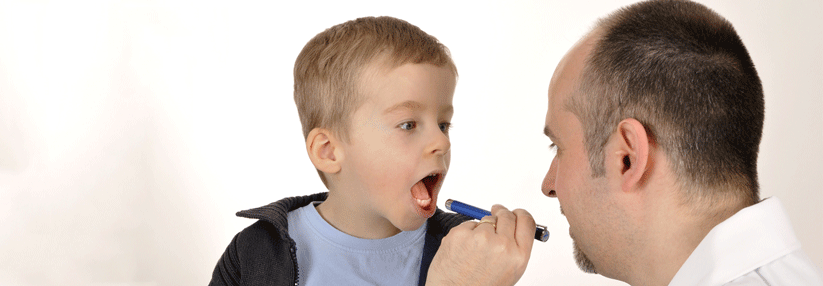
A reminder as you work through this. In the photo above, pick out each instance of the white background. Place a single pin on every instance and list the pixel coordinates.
(132, 131)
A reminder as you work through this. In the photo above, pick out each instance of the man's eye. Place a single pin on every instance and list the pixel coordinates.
(408, 125)
(445, 127)
(553, 148)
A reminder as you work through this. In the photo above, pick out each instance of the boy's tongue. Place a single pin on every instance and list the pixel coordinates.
(421, 194)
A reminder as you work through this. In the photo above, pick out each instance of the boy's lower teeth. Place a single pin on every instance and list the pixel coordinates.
(423, 203)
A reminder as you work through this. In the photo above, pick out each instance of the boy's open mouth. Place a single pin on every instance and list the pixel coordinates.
(425, 193)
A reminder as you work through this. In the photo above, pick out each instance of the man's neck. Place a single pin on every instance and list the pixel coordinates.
(672, 231)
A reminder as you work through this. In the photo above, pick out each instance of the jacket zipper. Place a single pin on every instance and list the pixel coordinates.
(293, 250)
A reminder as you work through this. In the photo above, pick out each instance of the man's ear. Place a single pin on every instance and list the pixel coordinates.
(324, 150)
(630, 156)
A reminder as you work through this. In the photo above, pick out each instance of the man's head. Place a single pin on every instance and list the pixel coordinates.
(328, 72)
(658, 78)
(681, 70)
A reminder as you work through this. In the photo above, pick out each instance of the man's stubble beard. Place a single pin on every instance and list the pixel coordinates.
(583, 262)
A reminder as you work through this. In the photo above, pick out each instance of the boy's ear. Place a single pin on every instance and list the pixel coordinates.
(324, 150)
(630, 156)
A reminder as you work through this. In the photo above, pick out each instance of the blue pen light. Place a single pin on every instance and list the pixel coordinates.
(541, 233)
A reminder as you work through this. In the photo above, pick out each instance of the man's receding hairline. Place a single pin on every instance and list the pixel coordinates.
(590, 42)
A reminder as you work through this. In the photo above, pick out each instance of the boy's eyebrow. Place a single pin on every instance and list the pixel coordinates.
(414, 105)
(448, 109)
(408, 104)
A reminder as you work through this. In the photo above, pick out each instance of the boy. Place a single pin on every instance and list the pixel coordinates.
(374, 97)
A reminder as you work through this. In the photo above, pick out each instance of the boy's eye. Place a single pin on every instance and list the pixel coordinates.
(553, 148)
(408, 125)
(445, 127)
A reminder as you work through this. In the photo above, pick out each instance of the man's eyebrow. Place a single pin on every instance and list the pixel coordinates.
(408, 104)
(548, 132)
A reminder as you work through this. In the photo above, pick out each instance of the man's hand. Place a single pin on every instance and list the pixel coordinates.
(485, 253)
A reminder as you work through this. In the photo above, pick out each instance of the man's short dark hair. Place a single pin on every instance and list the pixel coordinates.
(682, 71)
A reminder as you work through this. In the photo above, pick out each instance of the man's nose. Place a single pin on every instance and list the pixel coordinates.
(548, 181)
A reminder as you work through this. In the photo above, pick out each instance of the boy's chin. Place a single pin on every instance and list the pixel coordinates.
(410, 224)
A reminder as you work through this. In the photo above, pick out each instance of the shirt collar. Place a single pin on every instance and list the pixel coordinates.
(747, 240)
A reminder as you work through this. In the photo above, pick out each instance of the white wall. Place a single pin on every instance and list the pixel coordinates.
(131, 131)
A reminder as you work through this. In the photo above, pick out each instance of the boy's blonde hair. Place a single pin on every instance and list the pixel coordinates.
(327, 73)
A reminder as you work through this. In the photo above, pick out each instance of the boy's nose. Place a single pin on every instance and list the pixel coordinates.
(440, 145)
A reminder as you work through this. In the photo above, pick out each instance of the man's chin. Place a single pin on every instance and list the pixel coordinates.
(583, 262)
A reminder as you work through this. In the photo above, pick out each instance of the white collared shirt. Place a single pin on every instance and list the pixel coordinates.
(755, 246)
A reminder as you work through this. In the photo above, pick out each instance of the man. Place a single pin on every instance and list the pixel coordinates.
(657, 116)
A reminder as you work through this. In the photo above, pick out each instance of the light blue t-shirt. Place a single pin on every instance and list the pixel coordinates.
(327, 256)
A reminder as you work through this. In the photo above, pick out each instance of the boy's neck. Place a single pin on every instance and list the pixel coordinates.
(354, 220)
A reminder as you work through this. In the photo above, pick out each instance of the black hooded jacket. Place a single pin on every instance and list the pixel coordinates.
(265, 254)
